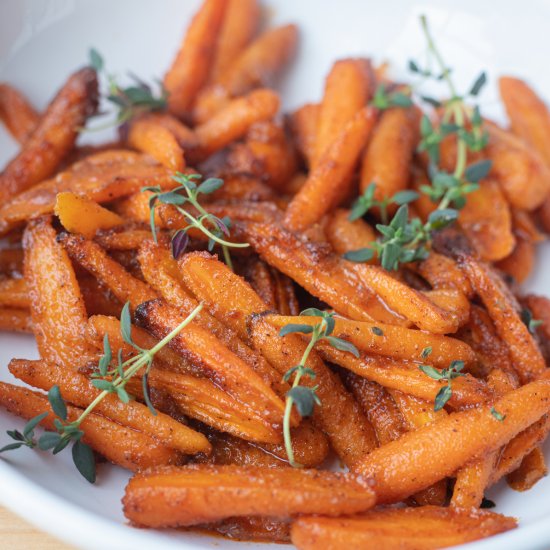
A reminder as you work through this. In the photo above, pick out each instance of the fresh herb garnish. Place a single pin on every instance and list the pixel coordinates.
(384, 99)
(367, 201)
(445, 375)
(529, 321)
(499, 416)
(188, 193)
(426, 352)
(408, 240)
(130, 101)
(305, 398)
(487, 504)
(109, 381)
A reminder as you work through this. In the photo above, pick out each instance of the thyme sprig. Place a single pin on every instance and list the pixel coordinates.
(304, 398)
(188, 193)
(408, 240)
(131, 101)
(445, 375)
(109, 381)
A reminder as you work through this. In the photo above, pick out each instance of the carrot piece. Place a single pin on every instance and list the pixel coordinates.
(322, 274)
(266, 154)
(120, 445)
(54, 136)
(504, 311)
(213, 493)
(253, 528)
(81, 215)
(211, 281)
(424, 528)
(78, 390)
(162, 272)
(102, 178)
(399, 467)
(109, 272)
(57, 308)
(519, 447)
(239, 26)
(420, 308)
(260, 63)
(152, 138)
(17, 114)
(345, 235)
(487, 221)
(520, 170)
(442, 272)
(378, 405)
(14, 293)
(216, 360)
(390, 341)
(234, 120)
(125, 239)
(480, 334)
(528, 114)
(388, 156)
(304, 123)
(330, 179)
(348, 87)
(191, 67)
(11, 262)
(340, 417)
(531, 470)
(407, 377)
(15, 320)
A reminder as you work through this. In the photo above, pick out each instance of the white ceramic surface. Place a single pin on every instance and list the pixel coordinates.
(41, 41)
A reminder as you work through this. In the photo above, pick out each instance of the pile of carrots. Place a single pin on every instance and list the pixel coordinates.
(77, 245)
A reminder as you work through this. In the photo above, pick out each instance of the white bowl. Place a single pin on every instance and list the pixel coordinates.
(42, 41)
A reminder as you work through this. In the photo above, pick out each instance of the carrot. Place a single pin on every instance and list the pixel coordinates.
(487, 221)
(388, 156)
(531, 470)
(390, 341)
(520, 170)
(504, 311)
(528, 114)
(303, 123)
(348, 87)
(329, 181)
(162, 273)
(57, 308)
(322, 274)
(126, 447)
(101, 178)
(424, 528)
(14, 293)
(399, 467)
(78, 390)
(17, 114)
(78, 214)
(234, 120)
(213, 493)
(109, 272)
(261, 61)
(406, 377)
(154, 139)
(191, 67)
(215, 360)
(339, 416)
(15, 320)
(54, 137)
(239, 26)
(378, 405)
